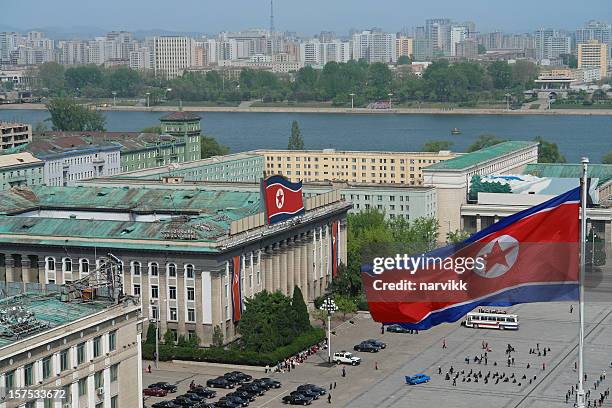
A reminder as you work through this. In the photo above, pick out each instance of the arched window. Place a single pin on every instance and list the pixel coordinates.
(50, 263)
(136, 268)
(189, 271)
(67, 265)
(84, 266)
(153, 269)
(171, 270)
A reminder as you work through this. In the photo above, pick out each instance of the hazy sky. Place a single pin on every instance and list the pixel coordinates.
(303, 16)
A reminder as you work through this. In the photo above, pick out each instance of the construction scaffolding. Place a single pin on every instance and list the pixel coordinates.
(105, 281)
(17, 322)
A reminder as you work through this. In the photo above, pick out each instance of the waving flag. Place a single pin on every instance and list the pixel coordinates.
(531, 256)
(283, 199)
(236, 288)
(335, 235)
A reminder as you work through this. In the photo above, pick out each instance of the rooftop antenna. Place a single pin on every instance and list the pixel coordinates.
(271, 16)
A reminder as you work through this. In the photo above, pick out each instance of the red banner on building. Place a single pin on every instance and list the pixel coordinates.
(236, 288)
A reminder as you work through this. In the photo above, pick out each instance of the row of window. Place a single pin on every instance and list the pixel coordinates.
(354, 160)
(136, 267)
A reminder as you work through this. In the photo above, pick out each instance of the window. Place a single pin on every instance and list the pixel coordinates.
(189, 271)
(98, 379)
(9, 380)
(154, 292)
(173, 314)
(191, 315)
(51, 264)
(115, 401)
(80, 353)
(172, 270)
(191, 334)
(67, 265)
(82, 387)
(174, 334)
(97, 346)
(190, 294)
(114, 372)
(64, 360)
(136, 289)
(46, 367)
(172, 292)
(84, 266)
(112, 340)
(153, 269)
(136, 268)
(28, 374)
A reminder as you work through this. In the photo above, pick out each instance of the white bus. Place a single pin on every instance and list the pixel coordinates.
(491, 319)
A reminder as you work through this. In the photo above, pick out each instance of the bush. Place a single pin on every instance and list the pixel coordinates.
(234, 356)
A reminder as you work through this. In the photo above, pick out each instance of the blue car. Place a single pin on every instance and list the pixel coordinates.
(417, 379)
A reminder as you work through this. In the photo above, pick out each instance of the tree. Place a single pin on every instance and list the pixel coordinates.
(485, 140)
(169, 337)
(436, 145)
(296, 142)
(607, 158)
(345, 305)
(84, 76)
(403, 60)
(548, 152)
(7, 86)
(51, 77)
(457, 236)
(319, 315)
(210, 147)
(481, 49)
(151, 331)
(347, 282)
(217, 337)
(67, 115)
(501, 73)
(40, 127)
(300, 310)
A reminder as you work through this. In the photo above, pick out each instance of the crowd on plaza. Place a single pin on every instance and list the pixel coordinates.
(291, 362)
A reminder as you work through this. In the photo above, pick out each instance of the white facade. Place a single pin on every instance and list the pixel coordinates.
(141, 59)
(374, 46)
(172, 55)
(67, 170)
(314, 52)
(457, 34)
(549, 44)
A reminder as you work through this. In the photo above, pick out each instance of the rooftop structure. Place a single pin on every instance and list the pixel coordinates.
(20, 169)
(480, 157)
(14, 135)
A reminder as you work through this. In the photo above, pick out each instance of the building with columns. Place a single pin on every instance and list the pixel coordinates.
(175, 244)
(88, 351)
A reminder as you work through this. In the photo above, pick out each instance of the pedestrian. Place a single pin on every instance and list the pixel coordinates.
(192, 385)
(149, 369)
(330, 386)
(543, 366)
(382, 329)
(376, 365)
(443, 343)
(334, 385)
(329, 398)
(512, 360)
(439, 370)
(571, 308)
(343, 372)
(455, 382)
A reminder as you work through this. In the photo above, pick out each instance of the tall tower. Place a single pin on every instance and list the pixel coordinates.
(271, 16)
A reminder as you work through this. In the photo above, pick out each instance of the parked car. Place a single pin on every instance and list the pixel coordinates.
(270, 381)
(417, 379)
(241, 375)
(164, 386)
(252, 388)
(165, 404)
(234, 378)
(236, 400)
(155, 392)
(203, 392)
(366, 347)
(193, 396)
(219, 382)
(244, 395)
(397, 329)
(226, 404)
(297, 399)
(376, 343)
(312, 387)
(307, 393)
(184, 402)
(344, 357)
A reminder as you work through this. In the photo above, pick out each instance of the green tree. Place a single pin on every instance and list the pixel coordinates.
(152, 129)
(169, 337)
(67, 115)
(485, 140)
(481, 49)
(296, 142)
(84, 76)
(454, 237)
(524, 73)
(151, 330)
(7, 86)
(548, 152)
(345, 305)
(51, 78)
(300, 310)
(319, 315)
(211, 147)
(436, 145)
(607, 158)
(217, 337)
(40, 127)
(501, 74)
(403, 60)
(347, 282)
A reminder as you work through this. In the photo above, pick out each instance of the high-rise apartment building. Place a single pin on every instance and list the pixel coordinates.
(550, 44)
(594, 30)
(404, 47)
(374, 46)
(457, 34)
(467, 49)
(437, 31)
(314, 52)
(593, 54)
(172, 55)
(8, 42)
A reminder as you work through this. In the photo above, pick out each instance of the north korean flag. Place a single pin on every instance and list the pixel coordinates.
(334, 248)
(283, 199)
(236, 288)
(531, 256)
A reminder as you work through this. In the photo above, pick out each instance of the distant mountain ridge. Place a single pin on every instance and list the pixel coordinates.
(86, 32)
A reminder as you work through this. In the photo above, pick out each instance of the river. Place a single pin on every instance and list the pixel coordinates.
(576, 136)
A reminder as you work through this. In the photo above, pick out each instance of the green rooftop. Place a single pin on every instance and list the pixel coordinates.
(563, 170)
(468, 160)
(47, 309)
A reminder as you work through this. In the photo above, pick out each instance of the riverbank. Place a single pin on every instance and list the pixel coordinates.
(289, 109)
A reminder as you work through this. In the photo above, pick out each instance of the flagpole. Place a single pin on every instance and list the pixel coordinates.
(580, 400)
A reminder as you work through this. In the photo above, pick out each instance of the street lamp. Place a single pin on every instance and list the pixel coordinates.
(148, 93)
(330, 306)
(352, 100)
(155, 320)
(114, 98)
(390, 94)
(508, 95)
(593, 249)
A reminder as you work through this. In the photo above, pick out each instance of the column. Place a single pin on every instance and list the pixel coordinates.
(91, 391)
(266, 270)
(283, 268)
(297, 264)
(478, 223)
(275, 268)
(74, 394)
(26, 274)
(608, 234)
(290, 259)
(107, 387)
(304, 266)
(10, 268)
(139, 376)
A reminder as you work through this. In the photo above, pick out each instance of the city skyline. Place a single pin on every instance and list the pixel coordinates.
(307, 19)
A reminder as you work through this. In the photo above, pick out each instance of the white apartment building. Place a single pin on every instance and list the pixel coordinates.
(172, 55)
(314, 52)
(141, 58)
(374, 46)
(549, 44)
(457, 34)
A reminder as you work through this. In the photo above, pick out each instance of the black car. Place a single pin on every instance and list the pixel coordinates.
(193, 396)
(203, 392)
(376, 343)
(397, 329)
(236, 400)
(244, 377)
(164, 386)
(297, 399)
(226, 404)
(270, 381)
(233, 378)
(307, 393)
(219, 382)
(367, 347)
(184, 402)
(252, 388)
(244, 395)
(165, 404)
(261, 384)
(312, 387)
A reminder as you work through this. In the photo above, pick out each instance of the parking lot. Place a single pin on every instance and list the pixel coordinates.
(546, 325)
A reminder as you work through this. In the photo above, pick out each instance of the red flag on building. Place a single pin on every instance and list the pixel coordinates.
(335, 234)
(283, 199)
(236, 288)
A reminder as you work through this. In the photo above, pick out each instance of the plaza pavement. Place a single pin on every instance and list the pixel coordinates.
(549, 324)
